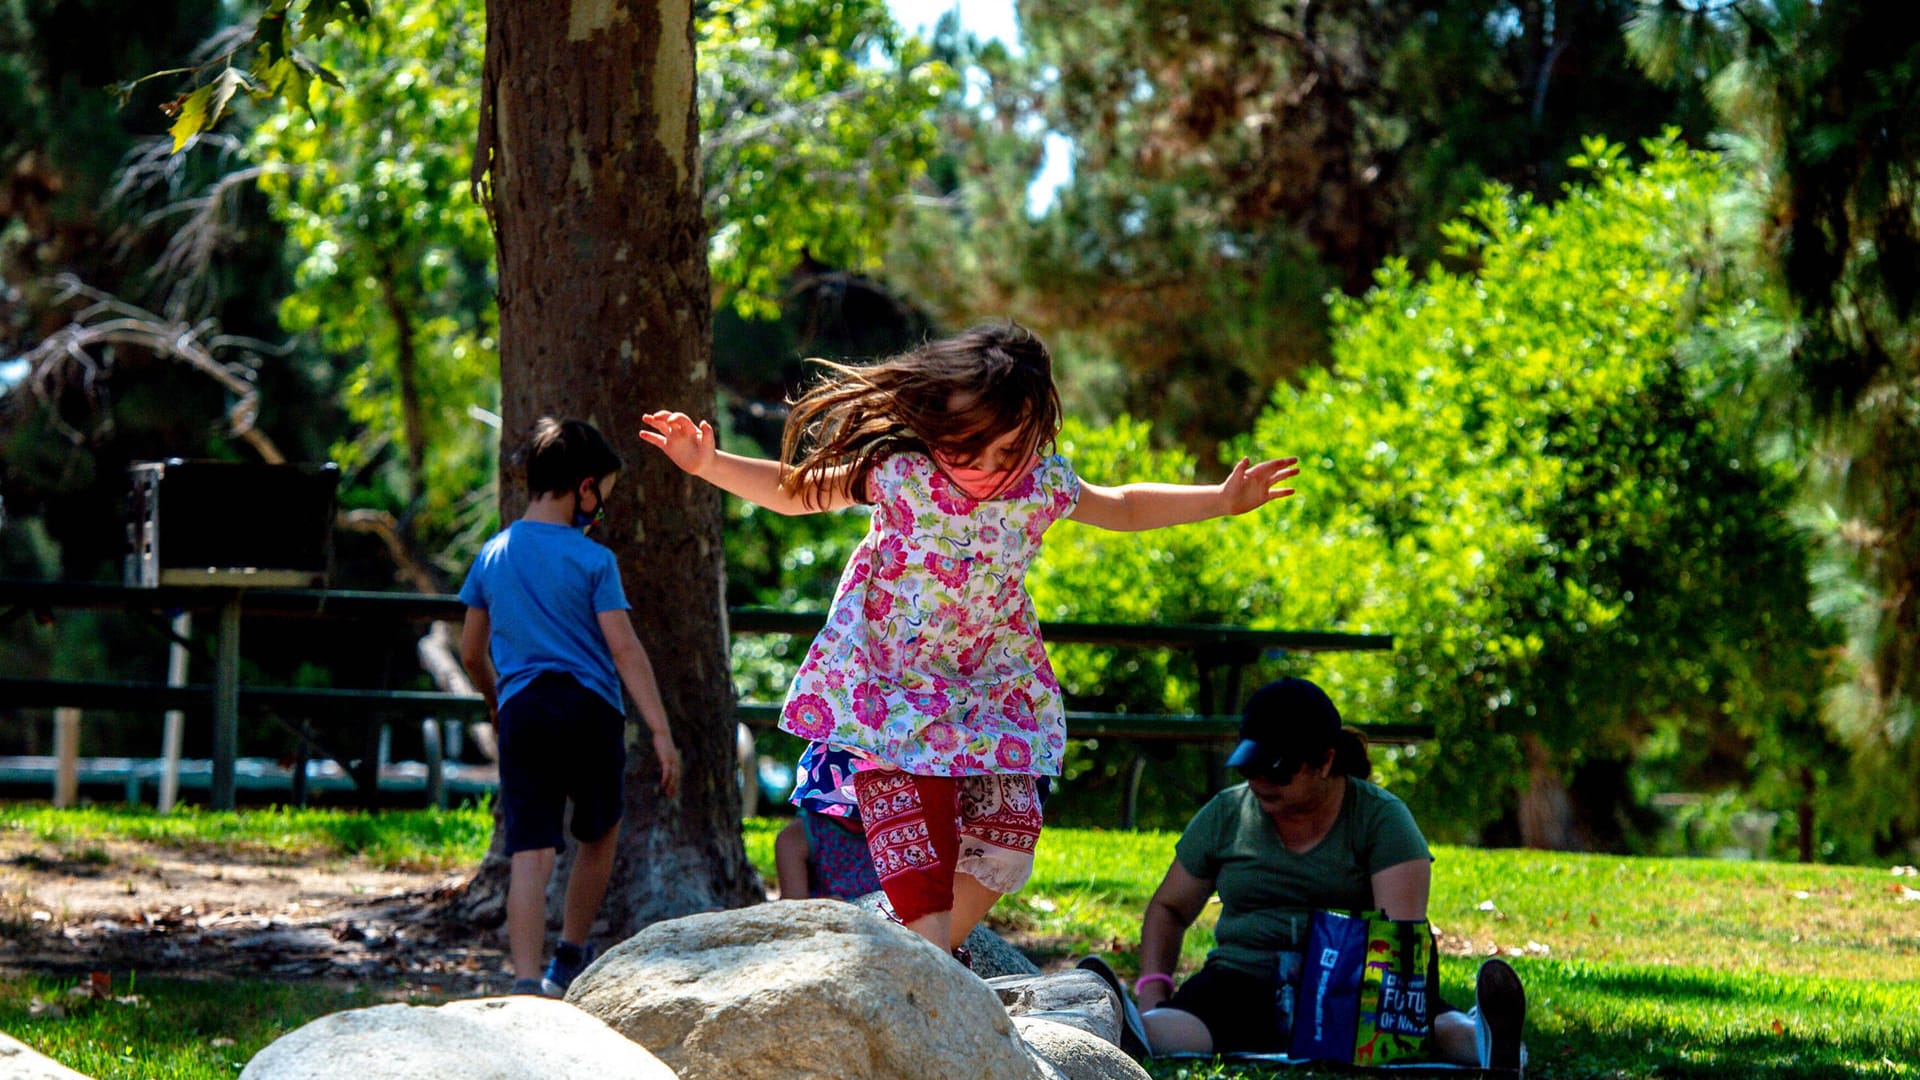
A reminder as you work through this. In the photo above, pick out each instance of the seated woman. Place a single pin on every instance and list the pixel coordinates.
(823, 850)
(1305, 831)
(823, 855)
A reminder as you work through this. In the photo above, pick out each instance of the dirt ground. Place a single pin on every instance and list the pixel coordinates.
(120, 906)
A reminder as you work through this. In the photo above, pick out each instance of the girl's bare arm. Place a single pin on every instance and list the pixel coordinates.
(692, 446)
(1133, 507)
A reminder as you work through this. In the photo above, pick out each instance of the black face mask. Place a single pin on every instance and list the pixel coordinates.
(583, 520)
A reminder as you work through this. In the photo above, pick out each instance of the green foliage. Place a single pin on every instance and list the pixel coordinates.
(395, 262)
(1231, 162)
(815, 119)
(272, 65)
(1508, 469)
(1811, 91)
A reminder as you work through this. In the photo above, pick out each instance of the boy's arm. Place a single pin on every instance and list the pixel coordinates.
(630, 660)
(1133, 507)
(693, 447)
(474, 635)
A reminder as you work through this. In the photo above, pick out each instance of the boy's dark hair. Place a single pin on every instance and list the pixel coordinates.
(561, 453)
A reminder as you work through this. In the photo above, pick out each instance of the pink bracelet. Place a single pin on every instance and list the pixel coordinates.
(1153, 977)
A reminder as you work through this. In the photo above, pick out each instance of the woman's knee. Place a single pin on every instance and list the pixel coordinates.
(1175, 1031)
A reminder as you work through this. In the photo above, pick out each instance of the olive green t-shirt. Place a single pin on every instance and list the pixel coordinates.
(1267, 892)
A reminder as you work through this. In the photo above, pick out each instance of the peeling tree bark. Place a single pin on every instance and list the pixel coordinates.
(587, 163)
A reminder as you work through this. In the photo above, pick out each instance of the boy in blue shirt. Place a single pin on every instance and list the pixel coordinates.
(548, 642)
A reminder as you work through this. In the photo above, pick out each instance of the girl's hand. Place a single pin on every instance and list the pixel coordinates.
(1250, 486)
(691, 446)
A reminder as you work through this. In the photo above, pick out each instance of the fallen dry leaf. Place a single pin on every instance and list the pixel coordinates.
(222, 1041)
(1778, 1027)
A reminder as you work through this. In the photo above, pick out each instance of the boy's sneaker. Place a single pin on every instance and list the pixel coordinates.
(1133, 1029)
(567, 964)
(1500, 1018)
(528, 987)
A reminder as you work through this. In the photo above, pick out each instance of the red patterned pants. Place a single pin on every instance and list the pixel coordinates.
(921, 830)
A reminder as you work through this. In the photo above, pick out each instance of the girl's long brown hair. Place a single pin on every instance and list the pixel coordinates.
(956, 395)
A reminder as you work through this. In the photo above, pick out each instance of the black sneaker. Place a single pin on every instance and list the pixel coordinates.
(1500, 1014)
(528, 987)
(964, 955)
(561, 974)
(1133, 1029)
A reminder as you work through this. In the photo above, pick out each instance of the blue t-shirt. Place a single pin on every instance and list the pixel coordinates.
(543, 587)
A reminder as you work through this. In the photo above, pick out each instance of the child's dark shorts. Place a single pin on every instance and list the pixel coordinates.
(1238, 1008)
(559, 741)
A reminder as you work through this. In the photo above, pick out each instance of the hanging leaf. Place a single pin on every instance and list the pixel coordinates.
(315, 70)
(190, 116)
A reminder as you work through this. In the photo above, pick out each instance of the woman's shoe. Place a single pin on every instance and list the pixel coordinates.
(1133, 1029)
(1500, 1018)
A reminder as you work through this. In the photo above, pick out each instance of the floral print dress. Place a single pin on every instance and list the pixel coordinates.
(931, 660)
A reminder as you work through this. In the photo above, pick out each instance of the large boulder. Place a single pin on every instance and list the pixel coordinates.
(804, 988)
(18, 1061)
(512, 1038)
(1075, 998)
(992, 956)
(1075, 1054)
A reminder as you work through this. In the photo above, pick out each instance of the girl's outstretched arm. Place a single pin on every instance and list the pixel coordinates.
(693, 447)
(1132, 507)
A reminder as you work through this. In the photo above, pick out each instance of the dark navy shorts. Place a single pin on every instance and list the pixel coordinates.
(559, 741)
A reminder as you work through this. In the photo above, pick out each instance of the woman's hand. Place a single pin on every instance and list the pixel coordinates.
(688, 444)
(1251, 486)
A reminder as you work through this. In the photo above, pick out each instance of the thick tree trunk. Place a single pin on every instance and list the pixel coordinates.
(1546, 812)
(588, 139)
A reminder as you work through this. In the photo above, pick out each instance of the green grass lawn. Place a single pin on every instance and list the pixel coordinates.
(1634, 967)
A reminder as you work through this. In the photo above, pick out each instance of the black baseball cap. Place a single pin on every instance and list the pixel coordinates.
(1288, 720)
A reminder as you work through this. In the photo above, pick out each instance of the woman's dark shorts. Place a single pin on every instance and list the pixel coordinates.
(559, 741)
(1238, 1008)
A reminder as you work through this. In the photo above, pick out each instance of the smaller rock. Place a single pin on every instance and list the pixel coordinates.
(510, 1038)
(18, 1061)
(1075, 998)
(1075, 1054)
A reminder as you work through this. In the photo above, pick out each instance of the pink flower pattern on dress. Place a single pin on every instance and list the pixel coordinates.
(948, 570)
(1013, 755)
(809, 717)
(869, 706)
(890, 559)
(933, 663)
(950, 499)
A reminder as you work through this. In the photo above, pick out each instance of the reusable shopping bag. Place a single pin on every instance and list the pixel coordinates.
(1363, 990)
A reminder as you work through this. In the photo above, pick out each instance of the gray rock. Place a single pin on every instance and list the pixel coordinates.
(992, 956)
(1075, 998)
(1074, 1053)
(18, 1061)
(804, 988)
(510, 1038)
